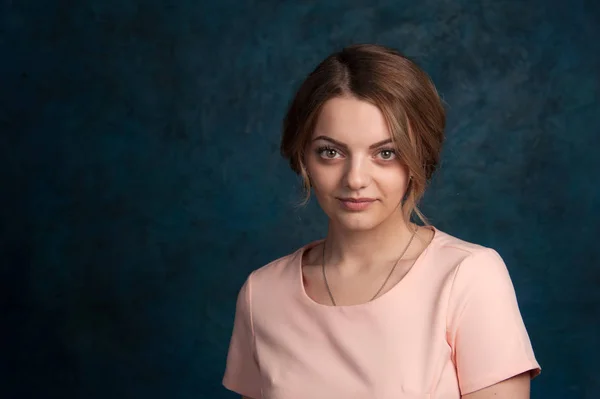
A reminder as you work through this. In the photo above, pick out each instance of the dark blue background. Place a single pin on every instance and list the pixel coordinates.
(141, 179)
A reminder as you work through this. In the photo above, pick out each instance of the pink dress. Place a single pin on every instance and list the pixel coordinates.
(451, 326)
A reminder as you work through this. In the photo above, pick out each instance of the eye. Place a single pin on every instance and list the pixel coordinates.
(328, 152)
(387, 154)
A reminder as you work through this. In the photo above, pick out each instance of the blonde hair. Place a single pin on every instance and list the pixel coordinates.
(402, 91)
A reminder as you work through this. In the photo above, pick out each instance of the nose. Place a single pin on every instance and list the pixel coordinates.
(357, 174)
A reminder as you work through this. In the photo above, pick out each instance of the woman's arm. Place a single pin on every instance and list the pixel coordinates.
(516, 387)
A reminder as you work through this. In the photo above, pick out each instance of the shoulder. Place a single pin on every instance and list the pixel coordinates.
(449, 243)
(276, 271)
(459, 252)
(463, 264)
(474, 270)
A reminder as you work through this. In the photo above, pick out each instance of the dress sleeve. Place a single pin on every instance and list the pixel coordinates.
(242, 374)
(485, 329)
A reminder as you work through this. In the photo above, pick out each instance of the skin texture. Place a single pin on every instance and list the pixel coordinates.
(357, 167)
(350, 156)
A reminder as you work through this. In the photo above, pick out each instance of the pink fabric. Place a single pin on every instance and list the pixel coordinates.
(451, 326)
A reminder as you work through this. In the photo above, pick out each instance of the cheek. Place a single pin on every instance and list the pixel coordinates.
(394, 182)
(324, 178)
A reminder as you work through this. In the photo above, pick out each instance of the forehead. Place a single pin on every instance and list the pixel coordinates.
(352, 121)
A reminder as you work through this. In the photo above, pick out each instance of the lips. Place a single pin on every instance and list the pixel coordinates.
(358, 199)
(356, 204)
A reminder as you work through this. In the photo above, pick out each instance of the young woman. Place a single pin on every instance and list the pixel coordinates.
(382, 307)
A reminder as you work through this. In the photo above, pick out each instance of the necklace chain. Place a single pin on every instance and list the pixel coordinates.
(382, 285)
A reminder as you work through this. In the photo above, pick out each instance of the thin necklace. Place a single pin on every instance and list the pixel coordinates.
(382, 285)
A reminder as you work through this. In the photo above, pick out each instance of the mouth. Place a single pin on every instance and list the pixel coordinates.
(356, 204)
(358, 200)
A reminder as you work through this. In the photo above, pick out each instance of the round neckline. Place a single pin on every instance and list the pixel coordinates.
(381, 298)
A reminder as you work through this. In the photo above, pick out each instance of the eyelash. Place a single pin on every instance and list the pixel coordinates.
(322, 149)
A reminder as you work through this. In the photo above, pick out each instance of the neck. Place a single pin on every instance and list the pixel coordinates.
(357, 251)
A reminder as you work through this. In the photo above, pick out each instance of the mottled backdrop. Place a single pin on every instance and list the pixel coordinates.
(141, 180)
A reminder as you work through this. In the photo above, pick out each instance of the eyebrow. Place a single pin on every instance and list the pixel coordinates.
(342, 145)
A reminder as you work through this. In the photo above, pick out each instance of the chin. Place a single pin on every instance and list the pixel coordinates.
(360, 221)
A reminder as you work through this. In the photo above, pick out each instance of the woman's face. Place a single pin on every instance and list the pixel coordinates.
(355, 172)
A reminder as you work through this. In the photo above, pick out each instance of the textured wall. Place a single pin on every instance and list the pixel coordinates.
(141, 179)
